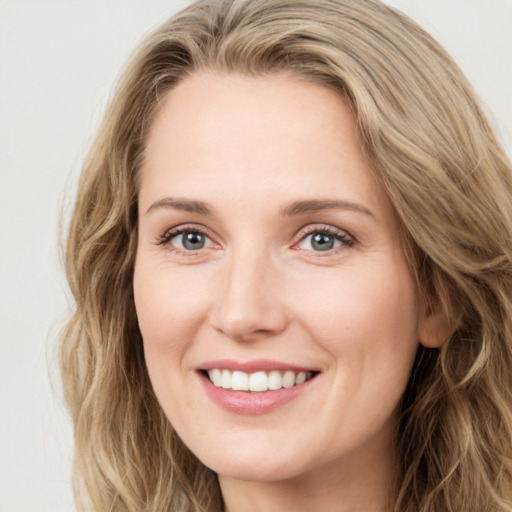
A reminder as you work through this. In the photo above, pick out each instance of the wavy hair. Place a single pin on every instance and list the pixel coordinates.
(451, 186)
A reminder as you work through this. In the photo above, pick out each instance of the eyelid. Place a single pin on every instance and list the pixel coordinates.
(180, 228)
(169, 234)
(346, 238)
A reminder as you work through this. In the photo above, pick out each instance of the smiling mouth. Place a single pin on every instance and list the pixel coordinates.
(259, 381)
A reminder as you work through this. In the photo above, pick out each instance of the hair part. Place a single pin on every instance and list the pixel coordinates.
(450, 183)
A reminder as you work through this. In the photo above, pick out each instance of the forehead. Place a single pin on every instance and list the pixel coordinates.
(269, 137)
(240, 110)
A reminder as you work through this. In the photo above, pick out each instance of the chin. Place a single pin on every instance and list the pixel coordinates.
(264, 471)
(256, 462)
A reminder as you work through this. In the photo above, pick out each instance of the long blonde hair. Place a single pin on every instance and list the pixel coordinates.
(451, 186)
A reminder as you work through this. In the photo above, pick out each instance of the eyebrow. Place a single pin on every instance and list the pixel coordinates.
(292, 209)
(317, 205)
(186, 205)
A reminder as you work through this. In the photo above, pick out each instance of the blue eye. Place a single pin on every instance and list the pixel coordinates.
(323, 240)
(190, 240)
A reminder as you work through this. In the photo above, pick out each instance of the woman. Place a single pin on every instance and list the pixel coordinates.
(292, 266)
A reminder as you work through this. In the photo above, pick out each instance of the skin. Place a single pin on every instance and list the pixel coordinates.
(259, 289)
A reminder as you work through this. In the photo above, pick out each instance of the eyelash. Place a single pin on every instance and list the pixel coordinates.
(345, 239)
(166, 238)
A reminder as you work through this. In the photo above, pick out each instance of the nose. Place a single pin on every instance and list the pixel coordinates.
(249, 304)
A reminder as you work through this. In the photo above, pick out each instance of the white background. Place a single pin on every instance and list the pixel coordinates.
(58, 61)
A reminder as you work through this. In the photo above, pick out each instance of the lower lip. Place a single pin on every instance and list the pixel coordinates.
(252, 403)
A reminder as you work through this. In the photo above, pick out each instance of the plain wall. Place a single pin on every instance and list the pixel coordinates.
(58, 61)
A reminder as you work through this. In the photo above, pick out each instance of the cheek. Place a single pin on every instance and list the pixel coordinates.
(169, 304)
(367, 305)
(366, 320)
(169, 315)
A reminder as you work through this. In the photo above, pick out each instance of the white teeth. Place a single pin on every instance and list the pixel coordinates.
(239, 381)
(288, 379)
(216, 377)
(226, 379)
(301, 377)
(275, 381)
(258, 381)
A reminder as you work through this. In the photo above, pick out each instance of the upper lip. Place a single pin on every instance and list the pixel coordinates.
(255, 365)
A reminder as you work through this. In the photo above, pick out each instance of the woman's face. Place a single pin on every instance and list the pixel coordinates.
(269, 254)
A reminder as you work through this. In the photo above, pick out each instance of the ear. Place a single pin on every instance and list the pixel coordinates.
(435, 328)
